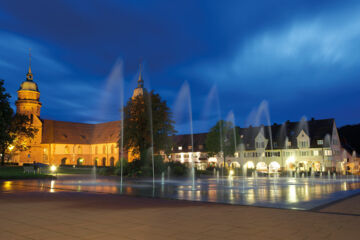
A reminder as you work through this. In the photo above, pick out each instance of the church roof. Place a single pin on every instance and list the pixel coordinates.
(29, 85)
(79, 133)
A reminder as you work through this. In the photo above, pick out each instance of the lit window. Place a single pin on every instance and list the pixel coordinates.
(201, 147)
(316, 153)
(180, 148)
(189, 147)
(303, 144)
(328, 152)
(320, 142)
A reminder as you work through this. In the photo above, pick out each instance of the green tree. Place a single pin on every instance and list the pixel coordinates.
(222, 140)
(142, 112)
(14, 128)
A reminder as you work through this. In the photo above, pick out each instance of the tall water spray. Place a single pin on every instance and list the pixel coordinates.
(152, 139)
(212, 97)
(115, 82)
(231, 118)
(185, 95)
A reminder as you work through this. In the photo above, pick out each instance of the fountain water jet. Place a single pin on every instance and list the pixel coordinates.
(214, 96)
(162, 178)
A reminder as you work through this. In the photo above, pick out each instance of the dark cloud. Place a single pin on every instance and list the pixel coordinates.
(302, 57)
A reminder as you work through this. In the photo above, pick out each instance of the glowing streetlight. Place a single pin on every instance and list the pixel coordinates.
(53, 168)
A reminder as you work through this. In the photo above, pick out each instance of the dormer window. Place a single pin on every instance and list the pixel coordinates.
(260, 144)
(303, 144)
(180, 148)
(320, 142)
(189, 147)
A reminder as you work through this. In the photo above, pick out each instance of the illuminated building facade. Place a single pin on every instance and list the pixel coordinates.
(293, 146)
(64, 143)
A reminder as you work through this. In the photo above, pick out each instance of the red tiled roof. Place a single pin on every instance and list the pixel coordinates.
(79, 133)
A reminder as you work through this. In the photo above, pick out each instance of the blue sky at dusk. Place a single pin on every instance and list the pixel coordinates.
(291, 58)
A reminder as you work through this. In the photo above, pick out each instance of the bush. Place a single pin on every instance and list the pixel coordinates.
(178, 169)
(106, 171)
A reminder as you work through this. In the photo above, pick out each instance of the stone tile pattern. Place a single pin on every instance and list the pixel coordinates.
(72, 215)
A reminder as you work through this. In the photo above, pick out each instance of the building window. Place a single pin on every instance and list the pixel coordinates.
(327, 152)
(112, 149)
(67, 149)
(104, 149)
(178, 156)
(201, 147)
(260, 144)
(303, 144)
(320, 142)
(303, 153)
(189, 147)
(79, 150)
(180, 148)
(96, 149)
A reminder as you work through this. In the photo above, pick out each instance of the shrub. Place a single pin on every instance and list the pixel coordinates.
(106, 171)
(178, 169)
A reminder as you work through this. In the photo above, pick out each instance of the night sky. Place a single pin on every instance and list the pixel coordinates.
(292, 59)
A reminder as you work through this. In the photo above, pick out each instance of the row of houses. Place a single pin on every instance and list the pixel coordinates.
(312, 145)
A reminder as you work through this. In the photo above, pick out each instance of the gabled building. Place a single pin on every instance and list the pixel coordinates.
(293, 146)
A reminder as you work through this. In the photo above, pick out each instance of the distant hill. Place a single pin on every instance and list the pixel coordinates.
(350, 137)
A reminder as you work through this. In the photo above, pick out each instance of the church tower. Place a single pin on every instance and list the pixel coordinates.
(140, 87)
(28, 104)
(28, 96)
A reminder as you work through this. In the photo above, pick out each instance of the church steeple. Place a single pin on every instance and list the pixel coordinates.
(140, 80)
(28, 95)
(29, 75)
(140, 87)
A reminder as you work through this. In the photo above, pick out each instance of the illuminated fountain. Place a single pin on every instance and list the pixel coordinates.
(265, 186)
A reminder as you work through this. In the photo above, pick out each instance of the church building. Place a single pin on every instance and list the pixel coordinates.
(67, 143)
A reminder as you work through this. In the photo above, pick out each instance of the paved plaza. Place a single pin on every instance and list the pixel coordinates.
(33, 213)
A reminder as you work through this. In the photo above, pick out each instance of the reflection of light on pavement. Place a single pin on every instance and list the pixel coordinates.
(52, 185)
(307, 195)
(291, 181)
(250, 197)
(231, 196)
(292, 194)
(198, 195)
(212, 195)
(7, 185)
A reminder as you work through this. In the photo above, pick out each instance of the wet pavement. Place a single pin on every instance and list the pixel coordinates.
(288, 193)
(39, 211)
